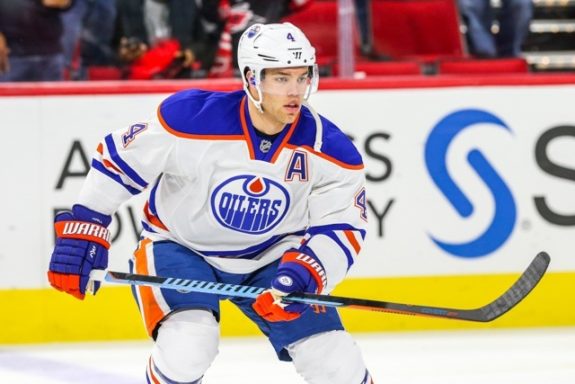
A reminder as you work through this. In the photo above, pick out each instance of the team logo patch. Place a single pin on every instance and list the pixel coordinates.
(286, 280)
(253, 31)
(250, 204)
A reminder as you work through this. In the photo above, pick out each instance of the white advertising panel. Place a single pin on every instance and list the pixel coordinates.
(460, 180)
(463, 180)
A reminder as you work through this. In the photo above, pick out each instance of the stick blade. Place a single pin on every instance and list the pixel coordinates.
(509, 299)
(518, 291)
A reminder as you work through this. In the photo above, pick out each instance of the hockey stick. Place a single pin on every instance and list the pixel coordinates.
(517, 292)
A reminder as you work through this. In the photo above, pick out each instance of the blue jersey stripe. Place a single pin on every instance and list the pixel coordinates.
(335, 227)
(250, 252)
(345, 250)
(122, 164)
(100, 167)
(152, 199)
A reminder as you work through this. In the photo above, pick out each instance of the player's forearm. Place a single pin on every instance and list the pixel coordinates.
(102, 194)
(336, 248)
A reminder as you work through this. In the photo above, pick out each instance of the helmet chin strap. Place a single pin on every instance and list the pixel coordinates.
(258, 104)
(256, 83)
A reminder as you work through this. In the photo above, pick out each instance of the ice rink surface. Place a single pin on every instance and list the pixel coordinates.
(541, 356)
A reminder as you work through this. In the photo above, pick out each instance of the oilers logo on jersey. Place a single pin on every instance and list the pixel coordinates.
(250, 204)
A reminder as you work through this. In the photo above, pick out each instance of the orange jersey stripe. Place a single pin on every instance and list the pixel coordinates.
(351, 238)
(155, 220)
(245, 129)
(151, 372)
(286, 138)
(108, 164)
(150, 308)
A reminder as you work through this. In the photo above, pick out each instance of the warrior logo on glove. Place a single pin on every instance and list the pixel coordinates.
(82, 242)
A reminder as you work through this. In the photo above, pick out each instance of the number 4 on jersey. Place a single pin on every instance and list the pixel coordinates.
(361, 203)
(131, 133)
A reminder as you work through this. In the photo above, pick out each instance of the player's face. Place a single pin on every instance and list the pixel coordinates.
(283, 91)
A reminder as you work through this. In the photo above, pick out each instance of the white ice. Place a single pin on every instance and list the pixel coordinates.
(533, 356)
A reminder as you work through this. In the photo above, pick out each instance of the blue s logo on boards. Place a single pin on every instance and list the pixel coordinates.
(250, 204)
(505, 211)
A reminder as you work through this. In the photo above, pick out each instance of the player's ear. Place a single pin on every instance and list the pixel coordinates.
(250, 77)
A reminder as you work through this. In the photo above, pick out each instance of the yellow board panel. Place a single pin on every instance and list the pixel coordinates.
(45, 315)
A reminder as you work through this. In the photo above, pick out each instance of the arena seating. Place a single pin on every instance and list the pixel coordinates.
(482, 67)
(104, 73)
(422, 29)
(319, 22)
(414, 37)
(402, 29)
(384, 68)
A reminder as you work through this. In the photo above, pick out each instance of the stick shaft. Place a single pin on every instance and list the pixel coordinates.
(517, 292)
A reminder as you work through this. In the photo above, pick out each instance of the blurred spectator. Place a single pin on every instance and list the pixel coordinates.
(89, 28)
(158, 37)
(367, 49)
(30, 32)
(186, 38)
(4, 64)
(513, 17)
(364, 25)
(132, 29)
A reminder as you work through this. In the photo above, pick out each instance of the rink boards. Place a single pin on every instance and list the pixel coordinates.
(467, 180)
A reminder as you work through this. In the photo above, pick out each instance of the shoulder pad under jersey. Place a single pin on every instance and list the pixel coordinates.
(334, 143)
(196, 113)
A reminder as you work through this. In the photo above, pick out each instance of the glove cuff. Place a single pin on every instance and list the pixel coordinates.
(313, 266)
(84, 224)
(83, 213)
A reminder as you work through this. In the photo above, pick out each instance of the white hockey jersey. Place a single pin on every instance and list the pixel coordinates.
(218, 188)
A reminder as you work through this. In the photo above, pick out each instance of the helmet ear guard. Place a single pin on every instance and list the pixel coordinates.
(314, 76)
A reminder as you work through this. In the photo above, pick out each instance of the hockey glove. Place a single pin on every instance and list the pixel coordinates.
(82, 242)
(297, 272)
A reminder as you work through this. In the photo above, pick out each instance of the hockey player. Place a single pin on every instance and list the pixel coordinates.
(248, 187)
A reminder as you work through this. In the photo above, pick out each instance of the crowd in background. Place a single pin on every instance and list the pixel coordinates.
(513, 21)
(50, 40)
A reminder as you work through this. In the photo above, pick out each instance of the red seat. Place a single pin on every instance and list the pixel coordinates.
(319, 22)
(425, 29)
(385, 68)
(481, 67)
(104, 73)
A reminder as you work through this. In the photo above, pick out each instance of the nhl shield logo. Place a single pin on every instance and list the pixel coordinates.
(250, 204)
(265, 146)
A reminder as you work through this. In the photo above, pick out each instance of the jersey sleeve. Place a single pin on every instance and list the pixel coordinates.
(125, 163)
(338, 223)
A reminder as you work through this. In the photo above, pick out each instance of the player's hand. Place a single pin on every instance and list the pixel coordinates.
(4, 51)
(187, 57)
(82, 242)
(297, 272)
(56, 3)
(131, 49)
